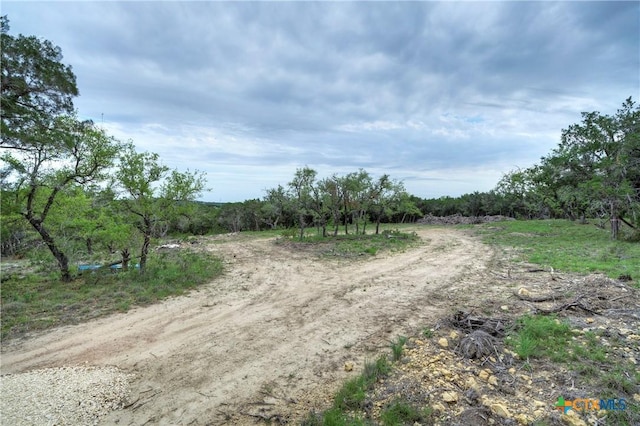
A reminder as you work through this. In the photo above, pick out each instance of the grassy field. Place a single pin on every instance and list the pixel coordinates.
(566, 246)
(35, 301)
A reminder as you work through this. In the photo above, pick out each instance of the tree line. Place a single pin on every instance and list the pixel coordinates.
(330, 205)
(80, 191)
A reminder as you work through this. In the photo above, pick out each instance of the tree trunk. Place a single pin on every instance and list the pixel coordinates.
(126, 257)
(89, 246)
(615, 227)
(302, 225)
(144, 251)
(346, 220)
(61, 258)
(615, 223)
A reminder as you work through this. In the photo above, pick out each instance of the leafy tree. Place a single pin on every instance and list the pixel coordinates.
(381, 195)
(301, 188)
(51, 160)
(600, 157)
(36, 86)
(403, 203)
(45, 147)
(153, 194)
(332, 199)
(275, 206)
(356, 191)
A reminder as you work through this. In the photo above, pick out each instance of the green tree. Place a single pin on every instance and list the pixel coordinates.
(332, 199)
(45, 147)
(601, 158)
(51, 160)
(301, 188)
(153, 194)
(36, 86)
(275, 206)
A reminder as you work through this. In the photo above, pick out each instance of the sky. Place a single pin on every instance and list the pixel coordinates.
(444, 96)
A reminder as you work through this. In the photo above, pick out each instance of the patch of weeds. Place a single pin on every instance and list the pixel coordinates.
(41, 301)
(619, 379)
(401, 412)
(352, 394)
(538, 336)
(427, 332)
(332, 417)
(591, 349)
(397, 347)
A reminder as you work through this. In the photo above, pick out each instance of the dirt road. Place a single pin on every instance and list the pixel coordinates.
(270, 337)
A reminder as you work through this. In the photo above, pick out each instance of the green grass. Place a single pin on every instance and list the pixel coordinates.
(397, 347)
(349, 400)
(566, 246)
(400, 413)
(352, 394)
(608, 375)
(35, 301)
(540, 336)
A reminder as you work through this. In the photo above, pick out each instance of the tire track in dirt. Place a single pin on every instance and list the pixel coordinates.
(271, 335)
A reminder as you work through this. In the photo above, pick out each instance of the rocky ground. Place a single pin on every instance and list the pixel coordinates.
(462, 369)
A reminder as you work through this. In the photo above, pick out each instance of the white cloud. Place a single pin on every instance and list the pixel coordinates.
(448, 95)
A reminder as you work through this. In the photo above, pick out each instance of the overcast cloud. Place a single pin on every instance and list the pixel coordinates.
(446, 96)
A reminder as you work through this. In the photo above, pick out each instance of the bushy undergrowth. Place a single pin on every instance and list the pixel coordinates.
(35, 301)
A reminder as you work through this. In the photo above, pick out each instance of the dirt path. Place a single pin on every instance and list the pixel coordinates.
(272, 335)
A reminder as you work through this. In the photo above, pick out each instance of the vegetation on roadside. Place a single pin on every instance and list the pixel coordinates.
(353, 245)
(351, 397)
(567, 246)
(538, 336)
(37, 301)
(397, 347)
(592, 356)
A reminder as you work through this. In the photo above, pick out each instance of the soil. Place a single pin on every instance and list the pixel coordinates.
(271, 338)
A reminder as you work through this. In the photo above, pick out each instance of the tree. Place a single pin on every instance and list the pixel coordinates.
(301, 188)
(36, 86)
(49, 160)
(381, 194)
(332, 199)
(601, 157)
(45, 147)
(153, 194)
(275, 206)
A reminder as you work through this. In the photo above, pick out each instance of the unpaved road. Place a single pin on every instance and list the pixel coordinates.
(270, 337)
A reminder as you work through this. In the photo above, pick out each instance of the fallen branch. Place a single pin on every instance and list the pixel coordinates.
(576, 303)
(627, 223)
(534, 299)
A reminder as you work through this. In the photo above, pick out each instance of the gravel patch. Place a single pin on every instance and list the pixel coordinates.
(62, 396)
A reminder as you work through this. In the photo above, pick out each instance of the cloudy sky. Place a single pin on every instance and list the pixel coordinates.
(446, 96)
